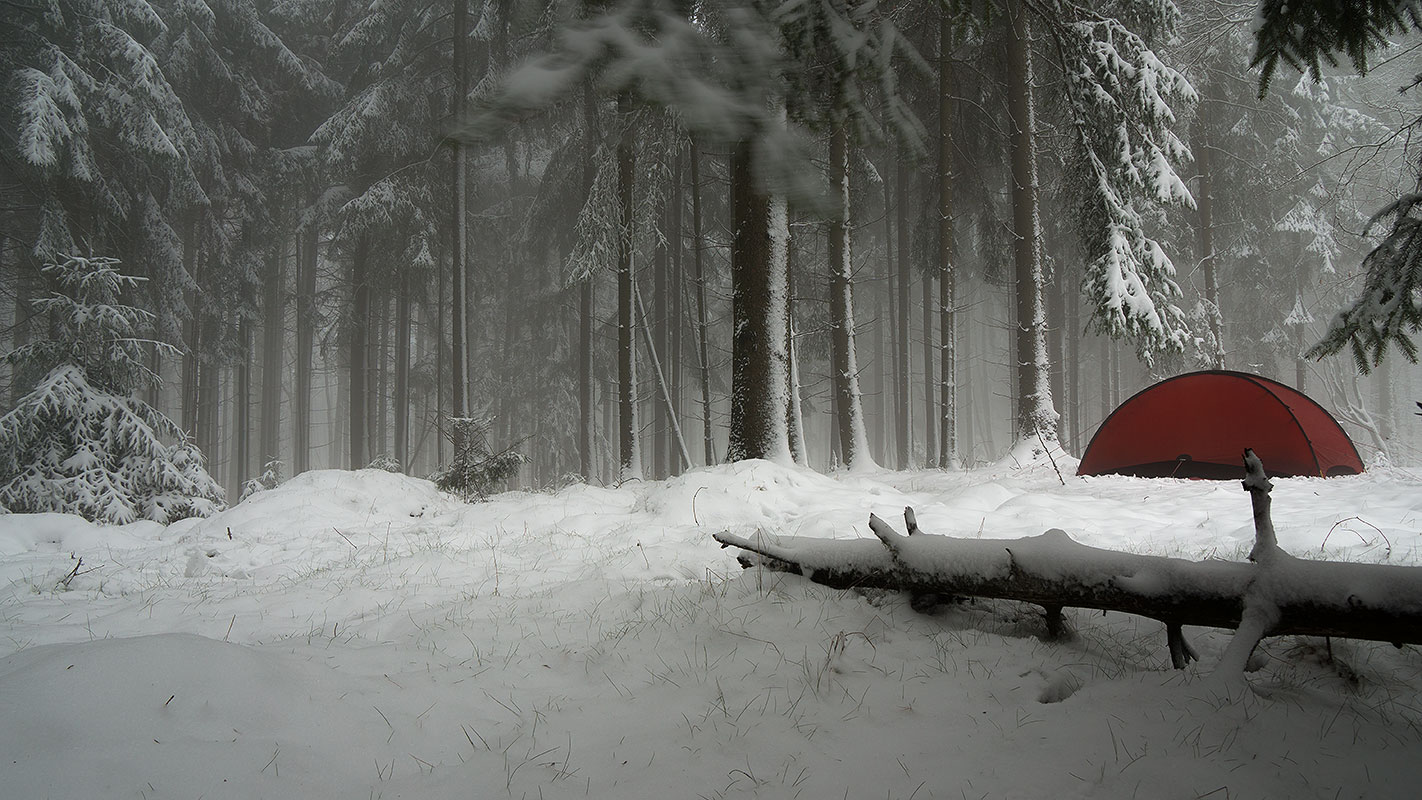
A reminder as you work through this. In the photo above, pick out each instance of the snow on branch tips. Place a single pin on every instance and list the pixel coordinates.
(1275, 595)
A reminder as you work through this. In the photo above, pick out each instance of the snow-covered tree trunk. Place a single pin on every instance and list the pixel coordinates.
(1276, 595)
(1035, 415)
(759, 364)
(853, 441)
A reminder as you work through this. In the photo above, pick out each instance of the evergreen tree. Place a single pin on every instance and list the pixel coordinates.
(80, 442)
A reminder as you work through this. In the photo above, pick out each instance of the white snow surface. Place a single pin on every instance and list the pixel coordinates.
(361, 635)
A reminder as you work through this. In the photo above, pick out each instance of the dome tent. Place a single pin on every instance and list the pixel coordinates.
(1197, 425)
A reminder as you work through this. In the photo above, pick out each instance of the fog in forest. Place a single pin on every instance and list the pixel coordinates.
(931, 233)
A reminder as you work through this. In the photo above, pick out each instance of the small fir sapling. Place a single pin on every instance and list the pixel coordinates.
(475, 470)
(272, 476)
(80, 442)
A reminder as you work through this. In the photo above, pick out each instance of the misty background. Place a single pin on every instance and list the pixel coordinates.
(283, 175)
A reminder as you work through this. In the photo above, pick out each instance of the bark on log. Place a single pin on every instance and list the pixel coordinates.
(1277, 595)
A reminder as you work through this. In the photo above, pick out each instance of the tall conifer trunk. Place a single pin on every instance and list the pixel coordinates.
(459, 251)
(759, 368)
(273, 361)
(358, 359)
(1205, 229)
(629, 453)
(702, 346)
(305, 340)
(844, 368)
(947, 268)
(1035, 416)
(903, 382)
(400, 398)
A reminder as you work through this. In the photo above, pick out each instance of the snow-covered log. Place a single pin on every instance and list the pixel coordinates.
(1274, 596)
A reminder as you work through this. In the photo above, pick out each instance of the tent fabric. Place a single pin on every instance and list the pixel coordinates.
(1197, 425)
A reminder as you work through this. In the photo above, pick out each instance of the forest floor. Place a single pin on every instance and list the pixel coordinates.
(361, 635)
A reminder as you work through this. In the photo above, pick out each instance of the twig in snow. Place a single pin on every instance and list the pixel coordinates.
(1387, 553)
(1048, 451)
(347, 538)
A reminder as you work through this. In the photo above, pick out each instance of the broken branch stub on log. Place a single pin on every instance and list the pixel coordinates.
(1276, 595)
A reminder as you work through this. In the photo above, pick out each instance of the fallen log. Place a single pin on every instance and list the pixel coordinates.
(1273, 595)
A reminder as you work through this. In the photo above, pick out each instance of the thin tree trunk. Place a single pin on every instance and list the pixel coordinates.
(903, 383)
(794, 415)
(702, 346)
(659, 336)
(305, 340)
(1035, 416)
(273, 360)
(844, 371)
(192, 331)
(242, 411)
(358, 357)
(947, 255)
(629, 454)
(459, 252)
(1205, 228)
(401, 397)
(676, 347)
(930, 410)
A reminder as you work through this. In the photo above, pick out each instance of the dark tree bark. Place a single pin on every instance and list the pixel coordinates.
(759, 372)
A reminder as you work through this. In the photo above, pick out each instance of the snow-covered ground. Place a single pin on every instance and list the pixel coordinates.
(360, 635)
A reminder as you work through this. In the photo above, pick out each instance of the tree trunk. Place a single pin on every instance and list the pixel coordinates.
(659, 336)
(947, 246)
(629, 455)
(844, 371)
(273, 355)
(702, 346)
(1035, 416)
(305, 341)
(930, 410)
(358, 355)
(759, 369)
(241, 468)
(1275, 596)
(794, 415)
(1205, 229)
(903, 377)
(459, 252)
(401, 396)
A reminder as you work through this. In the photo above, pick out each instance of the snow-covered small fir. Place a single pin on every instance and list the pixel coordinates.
(79, 441)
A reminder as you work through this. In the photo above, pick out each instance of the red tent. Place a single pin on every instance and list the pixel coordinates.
(1197, 426)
